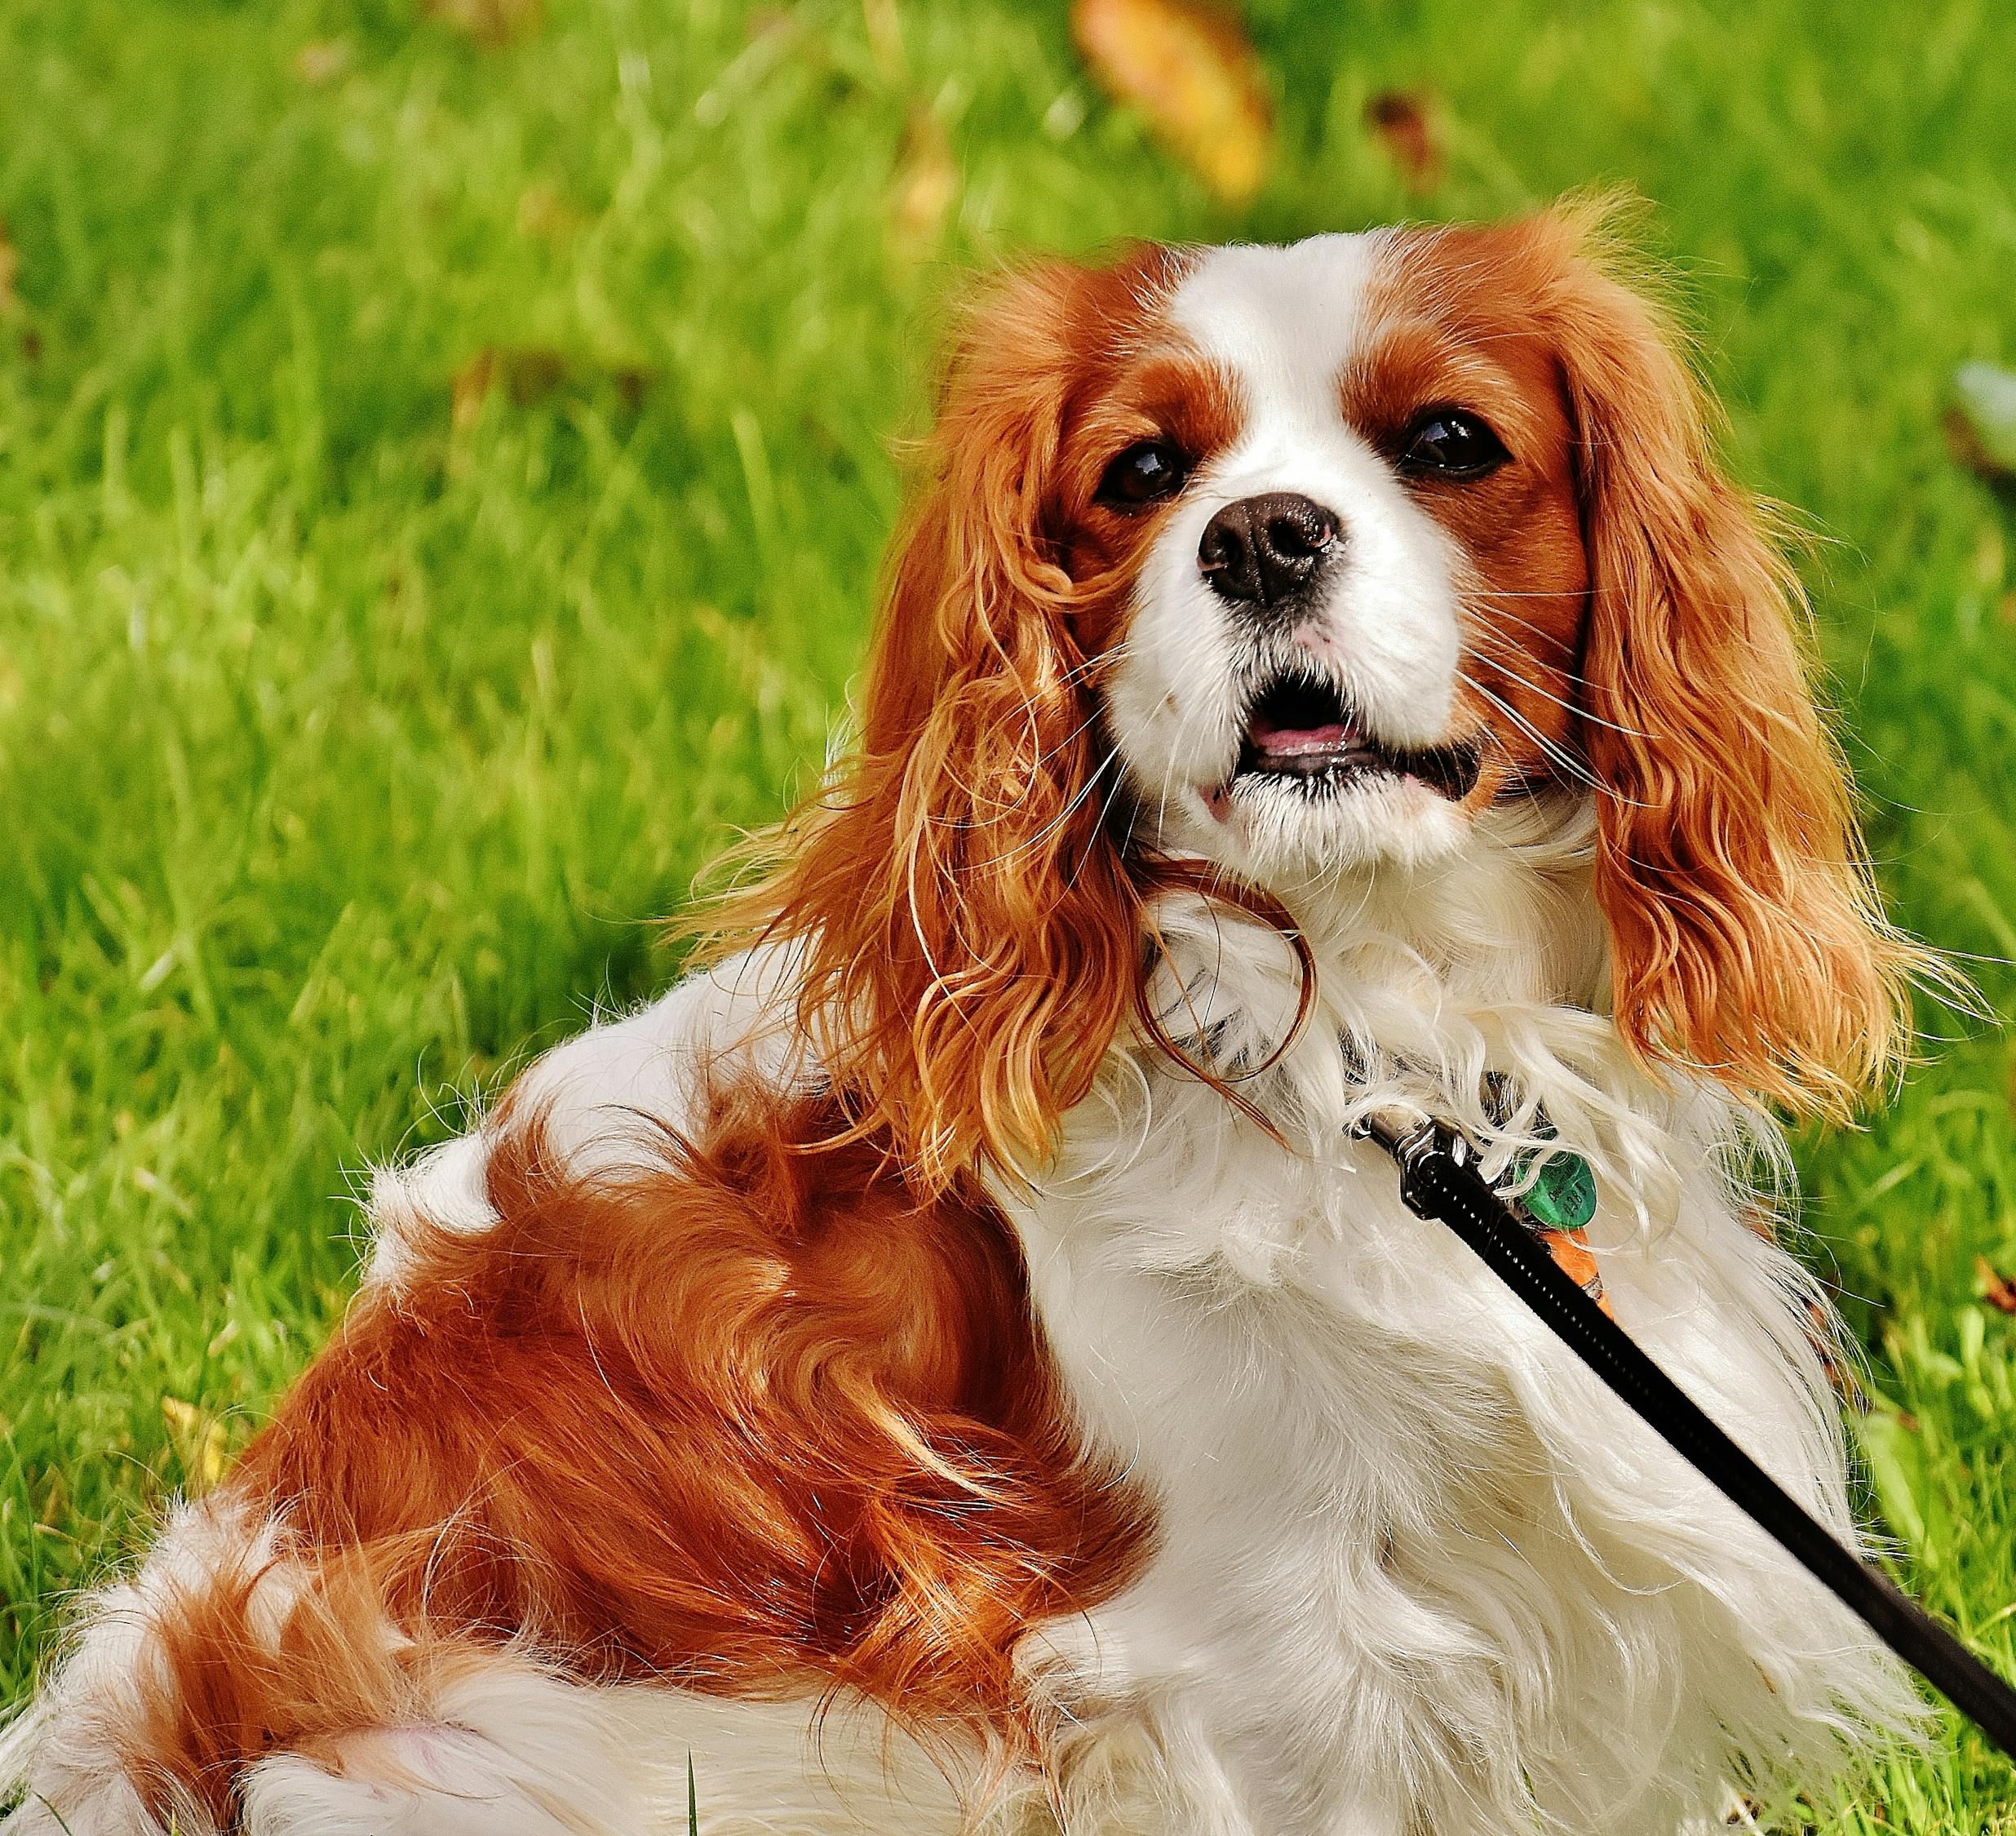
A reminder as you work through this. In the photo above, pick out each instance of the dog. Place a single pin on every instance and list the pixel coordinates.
(951, 1364)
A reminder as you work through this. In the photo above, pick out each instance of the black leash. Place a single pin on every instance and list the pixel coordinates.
(1440, 1179)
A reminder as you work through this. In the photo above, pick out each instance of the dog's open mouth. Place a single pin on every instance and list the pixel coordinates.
(1299, 730)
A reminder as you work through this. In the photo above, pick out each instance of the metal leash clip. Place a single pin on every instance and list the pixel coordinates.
(1556, 1205)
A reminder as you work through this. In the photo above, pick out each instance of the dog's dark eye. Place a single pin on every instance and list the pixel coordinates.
(1145, 473)
(1449, 443)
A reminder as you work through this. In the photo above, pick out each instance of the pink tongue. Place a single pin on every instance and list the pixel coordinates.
(1290, 740)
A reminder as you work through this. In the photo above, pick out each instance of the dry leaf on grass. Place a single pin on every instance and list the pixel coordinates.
(9, 272)
(1981, 425)
(1403, 122)
(199, 1441)
(544, 214)
(926, 185)
(1188, 66)
(1996, 1288)
(323, 61)
(528, 374)
(489, 22)
(470, 387)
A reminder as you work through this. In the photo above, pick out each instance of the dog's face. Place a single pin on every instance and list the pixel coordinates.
(1299, 563)
(1343, 487)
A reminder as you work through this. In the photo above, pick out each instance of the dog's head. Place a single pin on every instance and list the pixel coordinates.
(1301, 561)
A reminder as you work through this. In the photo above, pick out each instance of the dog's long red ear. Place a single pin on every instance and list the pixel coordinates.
(970, 938)
(1746, 938)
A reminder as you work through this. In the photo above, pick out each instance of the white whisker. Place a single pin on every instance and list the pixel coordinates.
(1568, 763)
(1499, 664)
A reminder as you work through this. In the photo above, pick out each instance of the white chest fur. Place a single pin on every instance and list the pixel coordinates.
(1416, 1570)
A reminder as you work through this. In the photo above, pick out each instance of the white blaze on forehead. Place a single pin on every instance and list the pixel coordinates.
(1283, 327)
(1283, 321)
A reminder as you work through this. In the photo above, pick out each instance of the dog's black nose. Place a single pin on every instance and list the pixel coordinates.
(1262, 549)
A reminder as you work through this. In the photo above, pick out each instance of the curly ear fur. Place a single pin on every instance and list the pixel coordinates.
(971, 938)
(1746, 938)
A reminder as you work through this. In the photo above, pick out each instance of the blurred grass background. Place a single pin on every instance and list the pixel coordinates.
(444, 459)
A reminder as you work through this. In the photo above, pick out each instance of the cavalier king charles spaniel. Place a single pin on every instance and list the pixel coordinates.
(951, 1365)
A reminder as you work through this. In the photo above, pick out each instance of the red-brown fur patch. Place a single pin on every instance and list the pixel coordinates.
(225, 1686)
(759, 1421)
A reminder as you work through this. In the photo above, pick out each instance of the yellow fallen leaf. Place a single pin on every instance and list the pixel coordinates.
(1188, 66)
(321, 61)
(545, 214)
(470, 387)
(199, 1443)
(490, 22)
(210, 1455)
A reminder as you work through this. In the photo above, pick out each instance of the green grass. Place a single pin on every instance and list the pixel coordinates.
(347, 744)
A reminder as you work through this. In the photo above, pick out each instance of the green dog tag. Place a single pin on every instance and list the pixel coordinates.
(1563, 1198)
